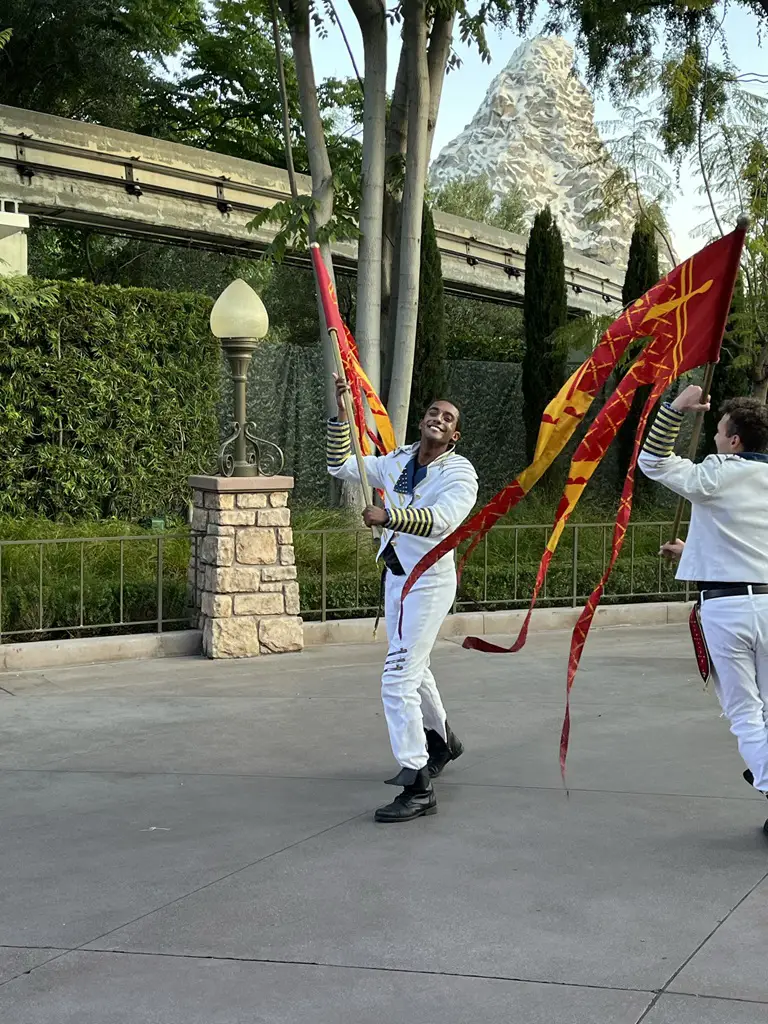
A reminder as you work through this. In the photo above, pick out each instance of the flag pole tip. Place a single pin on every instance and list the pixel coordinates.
(743, 222)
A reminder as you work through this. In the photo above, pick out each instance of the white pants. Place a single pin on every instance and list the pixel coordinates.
(408, 689)
(736, 630)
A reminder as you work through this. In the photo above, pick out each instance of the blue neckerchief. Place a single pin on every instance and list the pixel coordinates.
(754, 456)
(416, 473)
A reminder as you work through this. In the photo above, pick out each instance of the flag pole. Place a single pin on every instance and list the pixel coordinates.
(347, 398)
(698, 423)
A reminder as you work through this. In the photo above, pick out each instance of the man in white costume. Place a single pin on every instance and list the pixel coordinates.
(726, 553)
(428, 491)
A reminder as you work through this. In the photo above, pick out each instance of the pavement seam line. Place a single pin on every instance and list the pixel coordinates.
(664, 990)
(62, 952)
(178, 899)
(367, 967)
(362, 781)
(215, 881)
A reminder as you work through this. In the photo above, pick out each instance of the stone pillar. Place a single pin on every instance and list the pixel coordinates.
(247, 588)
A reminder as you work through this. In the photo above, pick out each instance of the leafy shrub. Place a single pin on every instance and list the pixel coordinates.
(109, 399)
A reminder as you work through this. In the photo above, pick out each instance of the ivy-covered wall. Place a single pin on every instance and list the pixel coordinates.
(109, 399)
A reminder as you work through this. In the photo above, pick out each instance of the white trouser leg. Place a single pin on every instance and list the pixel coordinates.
(736, 630)
(432, 710)
(406, 679)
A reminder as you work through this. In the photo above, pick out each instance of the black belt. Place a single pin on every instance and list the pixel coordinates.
(711, 591)
(391, 561)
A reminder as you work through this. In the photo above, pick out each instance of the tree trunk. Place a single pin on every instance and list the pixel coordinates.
(415, 41)
(296, 13)
(437, 59)
(394, 157)
(371, 16)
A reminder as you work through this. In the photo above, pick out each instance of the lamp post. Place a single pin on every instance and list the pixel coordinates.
(239, 320)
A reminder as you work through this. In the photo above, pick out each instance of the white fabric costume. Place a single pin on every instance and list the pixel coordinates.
(417, 522)
(728, 544)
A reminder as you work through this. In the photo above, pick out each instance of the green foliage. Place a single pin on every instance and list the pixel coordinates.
(485, 331)
(473, 198)
(642, 264)
(642, 273)
(92, 59)
(109, 402)
(621, 42)
(288, 292)
(429, 370)
(225, 96)
(100, 564)
(733, 166)
(545, 309)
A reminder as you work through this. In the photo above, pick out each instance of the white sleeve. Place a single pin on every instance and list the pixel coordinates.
(457, 501)
(342, 463)
(696, 481)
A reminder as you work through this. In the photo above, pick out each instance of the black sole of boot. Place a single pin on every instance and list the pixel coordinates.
(403, 821)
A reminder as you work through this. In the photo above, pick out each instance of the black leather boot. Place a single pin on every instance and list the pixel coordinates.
(416, 800)
(441, 752)
(750, 778)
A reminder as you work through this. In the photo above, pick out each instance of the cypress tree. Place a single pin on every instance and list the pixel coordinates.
(732, 378)
(429, 368)
(545, 309)
(642, 274)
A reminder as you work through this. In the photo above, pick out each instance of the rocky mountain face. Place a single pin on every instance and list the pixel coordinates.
(536, 129)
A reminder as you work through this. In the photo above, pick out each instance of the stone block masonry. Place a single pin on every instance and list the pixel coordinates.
(242, 571)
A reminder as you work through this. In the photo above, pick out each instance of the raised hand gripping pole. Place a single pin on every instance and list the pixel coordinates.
(706, 387)
(366, 487)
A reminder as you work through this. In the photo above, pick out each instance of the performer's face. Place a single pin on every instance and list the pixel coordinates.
(440, 423)
(726, 441)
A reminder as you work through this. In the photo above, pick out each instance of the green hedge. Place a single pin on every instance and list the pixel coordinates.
(109, 399)
(57, 605)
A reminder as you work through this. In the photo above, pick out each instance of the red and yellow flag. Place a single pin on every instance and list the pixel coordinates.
(684, 315)
(686, 323)
(360, 385)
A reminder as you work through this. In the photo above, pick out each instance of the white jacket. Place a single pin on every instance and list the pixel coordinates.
(440, 502)
(728, 536)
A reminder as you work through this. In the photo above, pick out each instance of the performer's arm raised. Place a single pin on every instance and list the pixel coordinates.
(338, 446)
(695, 481)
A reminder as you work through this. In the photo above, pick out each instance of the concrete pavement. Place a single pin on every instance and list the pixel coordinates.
(190, 842)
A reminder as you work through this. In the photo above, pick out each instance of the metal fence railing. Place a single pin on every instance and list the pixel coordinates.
(339, 579)
(79, 586)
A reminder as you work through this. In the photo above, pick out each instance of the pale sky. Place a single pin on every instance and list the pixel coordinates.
(464, 90)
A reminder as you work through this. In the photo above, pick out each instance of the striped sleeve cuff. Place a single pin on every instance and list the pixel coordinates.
(418, 521)
(662, 436)
(338, 444)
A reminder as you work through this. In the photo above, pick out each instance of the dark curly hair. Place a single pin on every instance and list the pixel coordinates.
(748, 418)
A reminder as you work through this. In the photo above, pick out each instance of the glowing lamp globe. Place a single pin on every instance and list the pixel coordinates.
(239, 313)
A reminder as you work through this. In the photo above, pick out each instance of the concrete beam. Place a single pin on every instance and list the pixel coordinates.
(83, 174)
